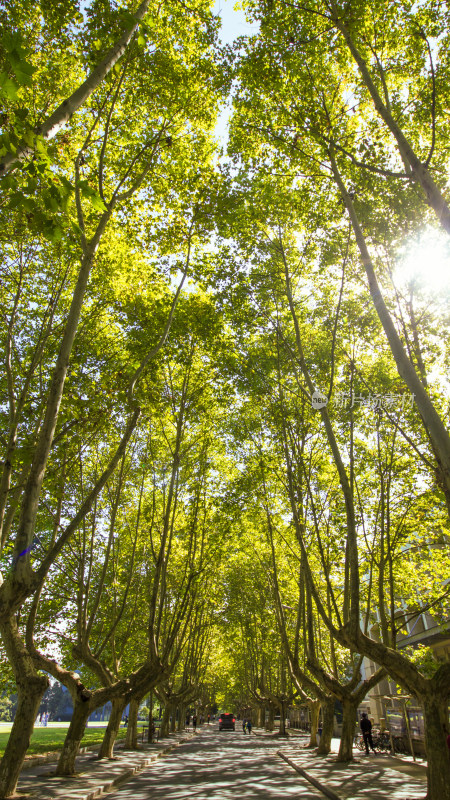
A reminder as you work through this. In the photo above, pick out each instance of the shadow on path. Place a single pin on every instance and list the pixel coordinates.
(375, 777)
(218, 766)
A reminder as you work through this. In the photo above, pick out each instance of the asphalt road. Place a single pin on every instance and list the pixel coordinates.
(218, 766)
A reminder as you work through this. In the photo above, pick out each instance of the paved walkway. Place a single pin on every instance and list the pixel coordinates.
(220, 766)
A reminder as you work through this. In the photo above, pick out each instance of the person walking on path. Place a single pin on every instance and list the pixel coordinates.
(244, 725)
(194, 722)
(249, 726)
(366, 728)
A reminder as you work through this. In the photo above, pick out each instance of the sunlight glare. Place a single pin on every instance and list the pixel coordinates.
(425, 260)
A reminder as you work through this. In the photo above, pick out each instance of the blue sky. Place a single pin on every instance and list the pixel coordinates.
(233, 21)
(234, 24)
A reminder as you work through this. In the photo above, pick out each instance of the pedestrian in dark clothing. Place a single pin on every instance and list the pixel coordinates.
(244, 725)
(447, 737)
(366, 728)
(194, 722)
(249, 726)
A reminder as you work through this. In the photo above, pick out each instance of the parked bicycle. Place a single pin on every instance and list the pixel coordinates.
(381, 741)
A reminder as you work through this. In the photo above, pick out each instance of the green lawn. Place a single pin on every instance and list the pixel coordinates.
(46, 739)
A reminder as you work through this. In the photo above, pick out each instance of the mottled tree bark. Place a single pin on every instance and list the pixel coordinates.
(173, 719)
(349, 707)
(261, 716)
(283, 719)
(112, 729)
(164, 729)
(327, 727)
(314, 706)
(438, 758)
(30, 688)
(131, 737)
(75, 733)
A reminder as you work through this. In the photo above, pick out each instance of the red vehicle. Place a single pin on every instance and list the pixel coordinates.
(227, 722)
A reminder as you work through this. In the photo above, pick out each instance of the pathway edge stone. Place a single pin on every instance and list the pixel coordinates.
(53, 756)
(320, 786)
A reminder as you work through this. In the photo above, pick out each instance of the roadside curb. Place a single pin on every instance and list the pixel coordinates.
(53, 756)
(414, 764)
(320, 786)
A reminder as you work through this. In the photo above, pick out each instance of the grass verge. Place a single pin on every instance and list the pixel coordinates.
(45, 740)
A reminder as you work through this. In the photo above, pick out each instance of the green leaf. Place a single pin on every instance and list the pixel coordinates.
(23, 71)
(15, 200)
(22, 113)
(97, 202)
(29, 138)
(56, 234)
(23, 78)
(91, 195)
(67, 184)
(8, 87)
(75, 227)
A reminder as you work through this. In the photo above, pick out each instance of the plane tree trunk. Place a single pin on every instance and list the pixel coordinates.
(261, 716)
(349, 706)
(164, 729)
(327, 727)
(75, 733)
(283, 718)
(181, 718)
(131, 737)
(438, 769)
(173, 720)
(314, 706)
(112, 729)
(30, 688)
